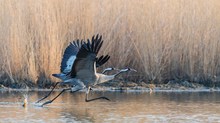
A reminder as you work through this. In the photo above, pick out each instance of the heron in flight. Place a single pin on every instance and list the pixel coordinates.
(83, 73)
(70, 56)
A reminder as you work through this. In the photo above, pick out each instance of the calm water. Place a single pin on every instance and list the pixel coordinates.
(125, 107)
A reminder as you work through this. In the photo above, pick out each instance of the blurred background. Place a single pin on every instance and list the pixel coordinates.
(162, 39)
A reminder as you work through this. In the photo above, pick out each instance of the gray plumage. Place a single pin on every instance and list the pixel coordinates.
(69, 57)
(83, 72)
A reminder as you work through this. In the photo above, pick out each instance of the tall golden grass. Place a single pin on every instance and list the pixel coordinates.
(162, 39)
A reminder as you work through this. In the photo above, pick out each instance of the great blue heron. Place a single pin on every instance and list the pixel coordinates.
(83, 71)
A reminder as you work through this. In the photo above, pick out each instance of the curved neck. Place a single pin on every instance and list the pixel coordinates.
(104, 71)
(104, 78)
(119, 73)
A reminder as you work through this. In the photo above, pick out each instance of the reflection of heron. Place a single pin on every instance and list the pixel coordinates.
(83, 70)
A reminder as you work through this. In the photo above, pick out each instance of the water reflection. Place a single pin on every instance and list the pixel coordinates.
(123, 107)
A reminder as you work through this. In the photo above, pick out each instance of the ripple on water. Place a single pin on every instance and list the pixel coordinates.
(171, 107)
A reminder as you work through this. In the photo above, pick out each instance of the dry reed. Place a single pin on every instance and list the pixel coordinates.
(162, 39)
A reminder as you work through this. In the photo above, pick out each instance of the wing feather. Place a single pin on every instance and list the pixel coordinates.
(86, 57)
(102, 60)
(73, 48)
(69, 56)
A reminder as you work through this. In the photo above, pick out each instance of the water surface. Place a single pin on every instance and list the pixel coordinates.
(124, 107)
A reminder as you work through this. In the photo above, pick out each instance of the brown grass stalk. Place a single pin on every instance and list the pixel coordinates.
(162, 39)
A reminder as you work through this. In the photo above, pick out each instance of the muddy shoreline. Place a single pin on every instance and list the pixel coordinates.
(130, 86)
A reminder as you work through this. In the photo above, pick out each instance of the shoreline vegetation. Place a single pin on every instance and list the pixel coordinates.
(130, 86)
(169, 42)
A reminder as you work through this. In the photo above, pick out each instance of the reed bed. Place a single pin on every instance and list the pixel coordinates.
(163, 39)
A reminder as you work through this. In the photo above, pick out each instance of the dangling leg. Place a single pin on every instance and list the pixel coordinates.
(50, 101)
(76, 88)
(48, 93)
(87, 96)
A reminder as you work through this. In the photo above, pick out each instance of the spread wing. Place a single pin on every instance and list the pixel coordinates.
(86, 58)
(69, 56)
(70, 53)
(102, 60)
